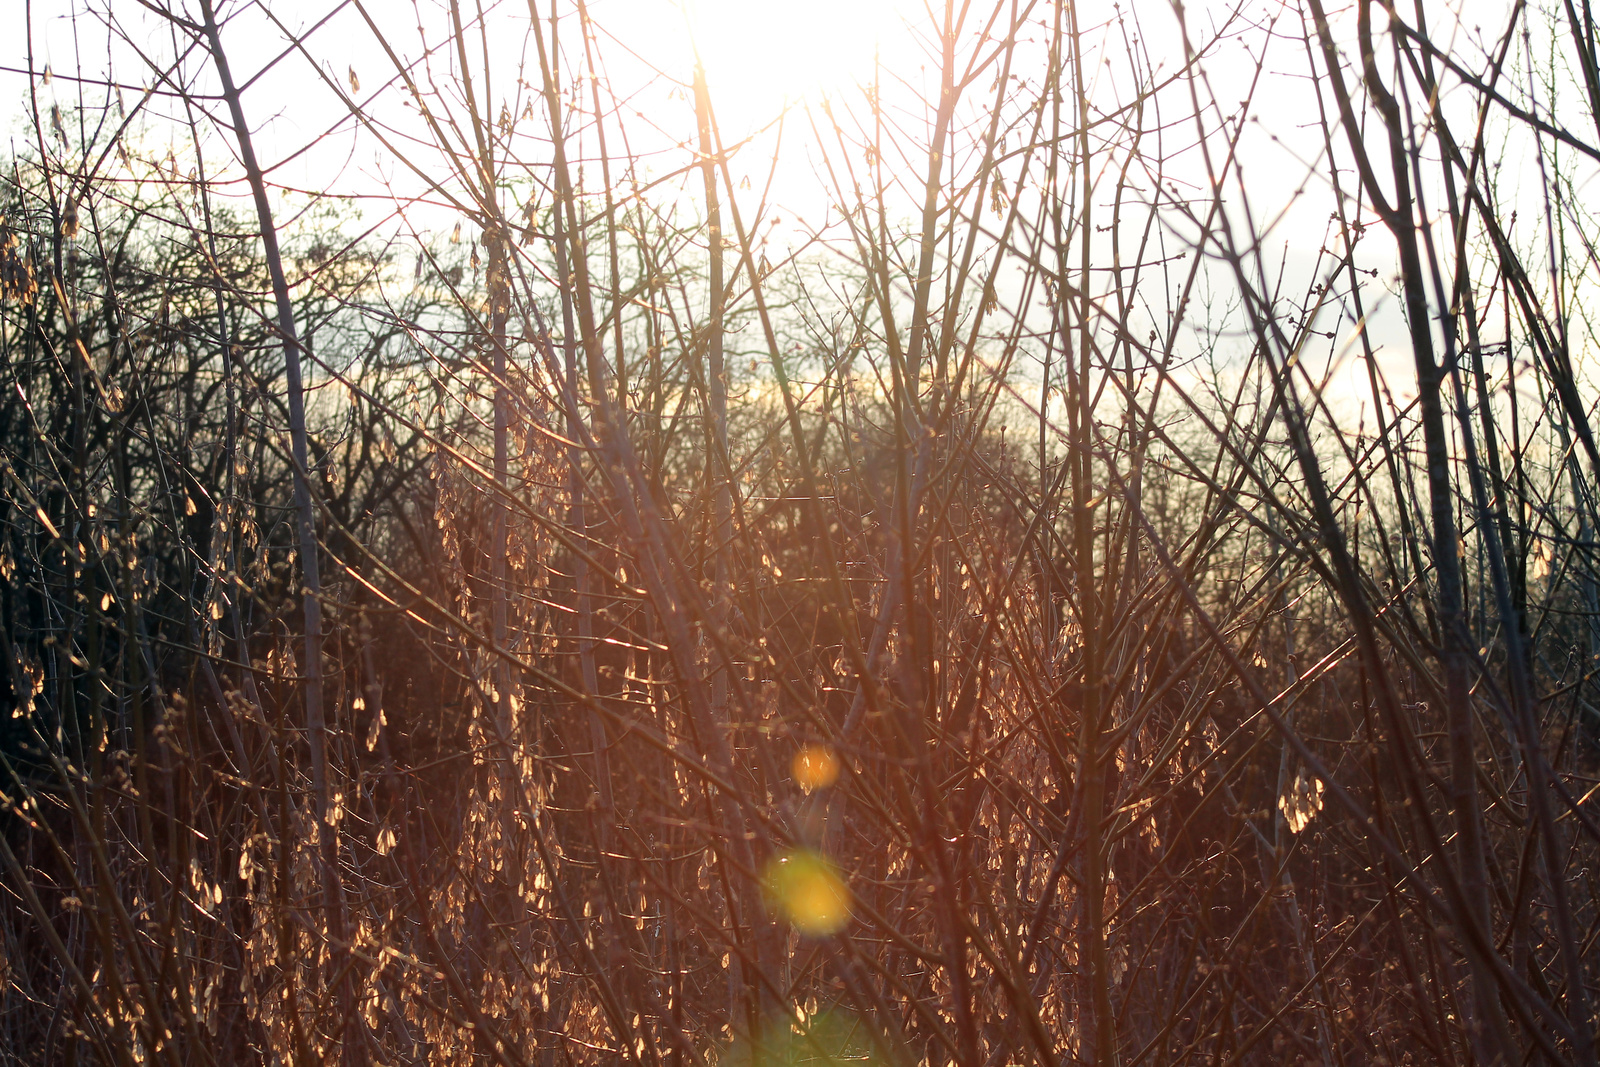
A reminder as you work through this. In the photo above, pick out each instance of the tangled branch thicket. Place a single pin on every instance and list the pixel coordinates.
(1122, 588)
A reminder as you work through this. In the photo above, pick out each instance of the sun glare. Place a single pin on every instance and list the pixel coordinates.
(759, 53)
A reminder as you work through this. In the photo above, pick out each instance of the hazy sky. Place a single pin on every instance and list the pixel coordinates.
(759, 54)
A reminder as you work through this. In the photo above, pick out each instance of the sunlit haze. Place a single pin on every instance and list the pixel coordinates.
(908, 533)
(759, 53)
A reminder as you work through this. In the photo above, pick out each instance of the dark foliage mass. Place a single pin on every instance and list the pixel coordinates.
(1065, 607)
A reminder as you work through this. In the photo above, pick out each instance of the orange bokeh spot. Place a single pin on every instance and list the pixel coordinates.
(815, 767)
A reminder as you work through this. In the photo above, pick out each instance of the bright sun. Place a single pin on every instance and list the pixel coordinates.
(759, 53)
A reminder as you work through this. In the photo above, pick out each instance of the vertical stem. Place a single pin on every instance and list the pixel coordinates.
(719, 472)
(1092, 936)
(305, 522)
(717, 469)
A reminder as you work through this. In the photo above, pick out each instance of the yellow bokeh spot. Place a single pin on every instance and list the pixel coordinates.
(809, 892)
(815, 767)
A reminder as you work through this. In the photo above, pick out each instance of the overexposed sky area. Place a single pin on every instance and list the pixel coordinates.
(764, 59)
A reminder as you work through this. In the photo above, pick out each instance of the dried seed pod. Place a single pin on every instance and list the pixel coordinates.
(16, 273)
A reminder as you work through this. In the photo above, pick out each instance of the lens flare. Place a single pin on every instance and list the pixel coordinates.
(807, 889)
(814, 767)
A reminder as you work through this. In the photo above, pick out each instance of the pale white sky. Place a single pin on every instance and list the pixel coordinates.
(760, 55)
